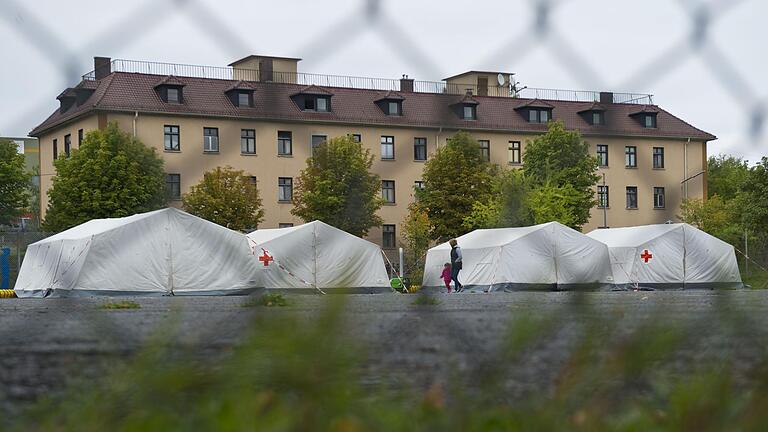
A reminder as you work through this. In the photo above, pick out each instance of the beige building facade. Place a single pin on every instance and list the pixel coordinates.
(648, 172)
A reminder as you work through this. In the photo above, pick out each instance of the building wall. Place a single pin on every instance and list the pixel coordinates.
(191, 162)
(47, 171)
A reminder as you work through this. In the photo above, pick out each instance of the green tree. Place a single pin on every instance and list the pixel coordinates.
(227, 197)
(715, 215)
(507, 206)
(555, 203)
(454, 179)
(338, 188)
(726, 176)
(112, 174)
(14, 182)
(560, 161)
(416, 230)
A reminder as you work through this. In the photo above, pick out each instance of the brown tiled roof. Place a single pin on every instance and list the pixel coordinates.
(391, 95)
(595, 106)
(240, 85)
(129, 92)
(313, 90)
(645, 109)
(535, 103)
(170, 80)
(469, 100)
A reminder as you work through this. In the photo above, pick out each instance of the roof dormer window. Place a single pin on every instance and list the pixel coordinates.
(646, 116)
(241, 94)
(173, 95)
(313, 98)
(597, 118)
(539, 115)
(391, 103)
(244, 99)
(536, 111)
(316, 103)
(170, 90)
(470, 112)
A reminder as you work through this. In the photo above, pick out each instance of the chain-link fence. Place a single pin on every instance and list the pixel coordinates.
(701, 31)
(16, 242)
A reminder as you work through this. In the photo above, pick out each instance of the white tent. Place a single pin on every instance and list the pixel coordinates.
(164, 252)
(547, 256)
(669, 256)
(318, 256)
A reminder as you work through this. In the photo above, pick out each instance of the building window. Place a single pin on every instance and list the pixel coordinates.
(388, 147)
(485, 150)
(538, 115)
(67, 144)
(630, 153)
(357, 138)
(173, 186)
(254, 180)
(79, 137)
(419, 149)
(658, 157)
(211, 140)
(659, 201)
(171, 138)
(317, 103)
(244, 99)
(388, 191)
(316, 141)
(393, 108)
(285, 225)
(597, 117)
(470, 112)
(418, 184)
(173, 95)
(55, 149)
(388, 236)
(602, 155)
(514, 152)
(603, 199)
(650, 121)
(285, 189)
(248, 141)
(631, 197)
(284, 143)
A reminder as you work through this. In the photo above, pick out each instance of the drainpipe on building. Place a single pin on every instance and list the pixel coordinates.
(135, 118)
(685, 176)
(437, 138)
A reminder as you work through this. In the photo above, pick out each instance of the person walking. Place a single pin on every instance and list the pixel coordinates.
(456, 264)
(446, 275)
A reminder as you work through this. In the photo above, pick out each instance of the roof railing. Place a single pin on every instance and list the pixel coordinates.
(367, 83)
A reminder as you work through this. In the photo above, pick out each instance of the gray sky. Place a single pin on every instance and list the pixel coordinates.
(714, 79)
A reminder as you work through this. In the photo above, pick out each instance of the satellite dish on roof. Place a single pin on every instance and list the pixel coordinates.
(500, 79)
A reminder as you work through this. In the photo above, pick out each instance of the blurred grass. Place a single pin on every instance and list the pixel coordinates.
(294, 374)
(756, 278)
(268, 300)
(423, 299)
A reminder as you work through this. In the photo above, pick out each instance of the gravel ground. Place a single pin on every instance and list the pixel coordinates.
(46, 342)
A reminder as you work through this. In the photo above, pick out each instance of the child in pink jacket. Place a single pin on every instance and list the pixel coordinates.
(447, 276)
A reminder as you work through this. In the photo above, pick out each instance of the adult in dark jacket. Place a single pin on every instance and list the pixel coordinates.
(456, 265)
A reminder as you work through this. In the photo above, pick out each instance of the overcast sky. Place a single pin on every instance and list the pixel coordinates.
(646, 46)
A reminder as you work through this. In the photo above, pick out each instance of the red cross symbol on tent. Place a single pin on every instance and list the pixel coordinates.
(266, 258)
(646, 256)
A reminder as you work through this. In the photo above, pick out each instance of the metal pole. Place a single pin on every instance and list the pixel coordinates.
(746, 253)
(605, 207)
(402, 268)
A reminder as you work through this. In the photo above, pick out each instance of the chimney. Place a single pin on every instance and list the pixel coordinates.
(606, 97)
(102, 66)
(406, 84)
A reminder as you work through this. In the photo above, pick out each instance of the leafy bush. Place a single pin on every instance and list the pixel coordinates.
(125, 304)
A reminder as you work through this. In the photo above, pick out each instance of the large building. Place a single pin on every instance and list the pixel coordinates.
(261, 115)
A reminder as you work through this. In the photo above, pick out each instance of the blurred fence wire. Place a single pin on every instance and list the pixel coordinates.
(374, 16)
